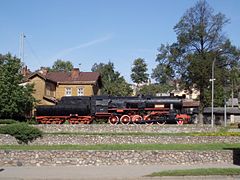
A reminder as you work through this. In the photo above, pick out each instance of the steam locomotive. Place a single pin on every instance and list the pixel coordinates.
(124, 110)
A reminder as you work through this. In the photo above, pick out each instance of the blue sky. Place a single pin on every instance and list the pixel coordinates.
(93, 31)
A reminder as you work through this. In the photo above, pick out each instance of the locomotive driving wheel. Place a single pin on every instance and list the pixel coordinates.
(148, 120)
(136, 118)
(180, 122)
(161, 120)
(113, 119)
(125, 119)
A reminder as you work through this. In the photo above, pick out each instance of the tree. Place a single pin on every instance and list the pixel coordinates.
(139, 70)
(113, 82)
(15, 100)
(61, 65)
(163, 73)
(200, 40)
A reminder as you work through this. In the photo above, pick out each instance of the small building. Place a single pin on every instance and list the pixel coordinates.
(233, 114)
(192, 94)
(52, 86)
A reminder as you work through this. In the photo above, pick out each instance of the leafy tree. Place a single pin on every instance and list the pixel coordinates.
(233, 83)
(15, 100)
(200, 40)
(163, 73)
(61, 65)
(139, 70)
(113, 82)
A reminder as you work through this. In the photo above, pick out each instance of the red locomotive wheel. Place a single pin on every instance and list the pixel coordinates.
(125, 119)
(136, 118)
(180, 122)
(113, 120)
(148, 120)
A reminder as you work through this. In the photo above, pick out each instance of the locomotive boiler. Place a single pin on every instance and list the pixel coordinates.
(116, 109)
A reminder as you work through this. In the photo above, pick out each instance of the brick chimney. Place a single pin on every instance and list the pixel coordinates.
(75, 73)
(24, 71)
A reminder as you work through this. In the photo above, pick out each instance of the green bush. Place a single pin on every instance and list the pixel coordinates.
(22, 132)
(7, 121)
(32, 121)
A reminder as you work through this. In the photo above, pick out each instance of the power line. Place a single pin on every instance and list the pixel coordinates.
(34, 54)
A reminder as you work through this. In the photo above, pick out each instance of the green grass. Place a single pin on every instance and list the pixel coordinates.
(198, 172)
(8, 121)
(141, 147)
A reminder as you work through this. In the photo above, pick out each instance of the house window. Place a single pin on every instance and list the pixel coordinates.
(80, 91)
(68, 91)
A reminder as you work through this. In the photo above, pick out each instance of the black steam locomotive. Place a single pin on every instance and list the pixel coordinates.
(125, 110)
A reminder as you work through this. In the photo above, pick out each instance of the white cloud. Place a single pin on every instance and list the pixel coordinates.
(64, 52)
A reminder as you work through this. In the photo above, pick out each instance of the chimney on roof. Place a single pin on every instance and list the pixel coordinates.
(75, 73)
(25, 71)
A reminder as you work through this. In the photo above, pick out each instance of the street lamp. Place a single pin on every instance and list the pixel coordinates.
(225, 111)
(212, 80)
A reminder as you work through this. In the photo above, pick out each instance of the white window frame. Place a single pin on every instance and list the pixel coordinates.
(68, 91)
(80, 91)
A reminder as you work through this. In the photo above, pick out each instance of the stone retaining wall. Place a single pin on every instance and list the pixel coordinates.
(96, 158)
(97, 139)
(87, 158)
(98, 128)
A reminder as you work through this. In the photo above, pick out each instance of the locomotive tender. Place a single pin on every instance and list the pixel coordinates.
(125, 110)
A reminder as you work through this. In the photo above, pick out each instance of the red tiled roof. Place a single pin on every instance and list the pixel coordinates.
(66, 77)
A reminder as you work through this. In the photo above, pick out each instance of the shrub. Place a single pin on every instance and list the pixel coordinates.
(22, 132)
(32, 121)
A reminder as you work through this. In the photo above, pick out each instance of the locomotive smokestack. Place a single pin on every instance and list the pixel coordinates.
(75, 73)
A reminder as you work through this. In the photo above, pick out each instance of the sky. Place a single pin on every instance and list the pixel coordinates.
(93, 31)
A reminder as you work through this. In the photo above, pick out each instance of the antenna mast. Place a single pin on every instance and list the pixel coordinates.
(21, 47)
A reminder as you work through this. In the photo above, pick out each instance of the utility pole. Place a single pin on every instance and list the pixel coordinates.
(21, 47)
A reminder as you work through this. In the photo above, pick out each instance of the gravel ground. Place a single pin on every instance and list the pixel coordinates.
(102, 172)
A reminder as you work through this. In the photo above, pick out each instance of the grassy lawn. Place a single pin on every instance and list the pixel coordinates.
(198, 172)
(141, 147)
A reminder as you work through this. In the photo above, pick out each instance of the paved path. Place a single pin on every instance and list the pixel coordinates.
(99, 172)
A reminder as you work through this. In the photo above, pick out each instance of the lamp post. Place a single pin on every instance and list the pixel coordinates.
(213, 64)
(213, 79)
(225, 111)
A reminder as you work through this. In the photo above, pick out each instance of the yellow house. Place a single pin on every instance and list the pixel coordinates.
(51, 86)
